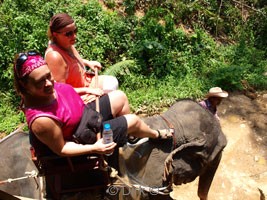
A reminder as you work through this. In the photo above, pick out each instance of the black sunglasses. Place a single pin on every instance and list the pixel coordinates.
(22, 59)
(70, 33)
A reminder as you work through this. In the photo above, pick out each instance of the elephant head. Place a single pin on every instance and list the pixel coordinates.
(195, 151)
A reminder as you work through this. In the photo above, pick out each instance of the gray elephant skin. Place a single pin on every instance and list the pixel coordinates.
(195, 151)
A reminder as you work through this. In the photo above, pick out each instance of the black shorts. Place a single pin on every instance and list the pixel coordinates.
(118, 125)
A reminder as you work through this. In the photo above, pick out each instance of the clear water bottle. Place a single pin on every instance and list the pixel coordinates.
(107, 135)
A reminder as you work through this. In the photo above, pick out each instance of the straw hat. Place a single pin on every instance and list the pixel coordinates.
(217, 92)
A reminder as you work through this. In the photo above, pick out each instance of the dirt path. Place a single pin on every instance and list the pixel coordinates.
(242, 174)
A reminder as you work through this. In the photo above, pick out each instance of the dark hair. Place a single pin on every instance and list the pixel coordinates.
(24, 64)
(58, 22)
(20, 90)
(17, 81)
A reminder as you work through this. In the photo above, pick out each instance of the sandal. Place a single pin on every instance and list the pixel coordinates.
(165, 133)
(133, 139)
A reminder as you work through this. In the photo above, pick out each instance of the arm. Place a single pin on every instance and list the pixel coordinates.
(49, 132)
(57, 66)
(88, 90)
(88, 63)
(59, 70)
(92, 64)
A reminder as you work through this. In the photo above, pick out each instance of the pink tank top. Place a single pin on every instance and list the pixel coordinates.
(67, 109)
(76, 74)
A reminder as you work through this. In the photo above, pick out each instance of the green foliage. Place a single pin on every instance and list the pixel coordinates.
(110, 3)
(122, 70)
(243, 63)
(102, 35)
(150, 96)
(257, 24)
(129, 6)
(177, 49)
(11, 117)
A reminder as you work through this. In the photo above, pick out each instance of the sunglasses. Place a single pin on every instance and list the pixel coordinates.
(70, 33)
(22, 59)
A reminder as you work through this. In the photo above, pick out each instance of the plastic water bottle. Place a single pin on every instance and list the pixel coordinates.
(107, 135)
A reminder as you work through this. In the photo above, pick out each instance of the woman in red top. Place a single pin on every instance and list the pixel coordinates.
(66, 64)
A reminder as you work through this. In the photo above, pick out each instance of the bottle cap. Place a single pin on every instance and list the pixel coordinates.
(107, 126)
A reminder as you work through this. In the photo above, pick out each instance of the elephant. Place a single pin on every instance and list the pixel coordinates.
(148, 168)
(18, 174)
(195, 150)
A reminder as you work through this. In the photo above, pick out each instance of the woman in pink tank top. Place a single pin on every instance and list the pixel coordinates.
(66, 64)
(54, 110)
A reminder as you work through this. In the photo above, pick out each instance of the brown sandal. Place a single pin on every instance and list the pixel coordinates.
(165, 133)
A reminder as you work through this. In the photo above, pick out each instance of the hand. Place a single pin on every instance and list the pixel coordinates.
(88, 98)
(102, 148)
(92, 64)
(95, 91)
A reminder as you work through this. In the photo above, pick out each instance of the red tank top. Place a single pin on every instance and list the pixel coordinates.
(76, 71)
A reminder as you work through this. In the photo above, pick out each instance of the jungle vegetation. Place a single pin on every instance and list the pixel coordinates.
(159, 50)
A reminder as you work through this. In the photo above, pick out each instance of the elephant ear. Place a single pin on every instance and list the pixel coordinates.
(168, 164)
(168, 169)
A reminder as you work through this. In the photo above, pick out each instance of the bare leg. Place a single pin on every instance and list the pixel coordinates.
(138, 128)
(106, 82)
(119, 103)
(100, 82)
(109, 83)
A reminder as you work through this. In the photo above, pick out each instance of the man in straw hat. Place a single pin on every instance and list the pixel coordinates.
(213, 99)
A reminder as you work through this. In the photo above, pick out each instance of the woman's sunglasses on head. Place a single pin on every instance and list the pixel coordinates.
(70, 33)
(22, 59)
